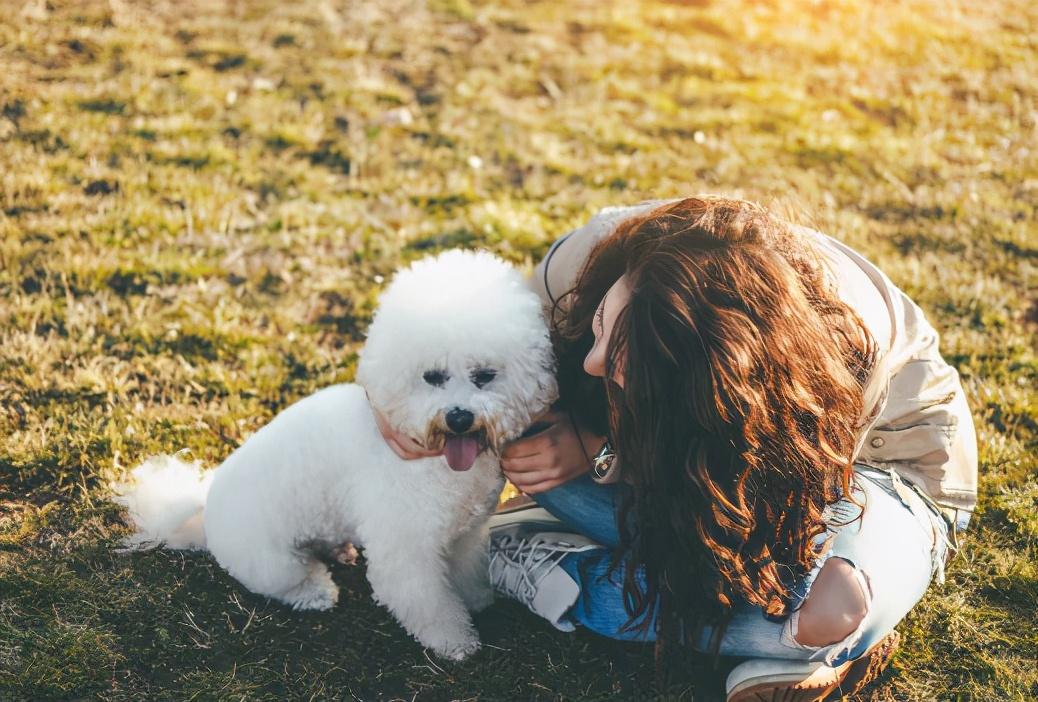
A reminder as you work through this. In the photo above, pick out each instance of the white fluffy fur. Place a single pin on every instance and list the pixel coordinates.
(319, 474)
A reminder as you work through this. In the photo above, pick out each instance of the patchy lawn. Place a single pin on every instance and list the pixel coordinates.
(199, 200)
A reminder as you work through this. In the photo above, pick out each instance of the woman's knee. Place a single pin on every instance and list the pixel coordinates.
(835, 607)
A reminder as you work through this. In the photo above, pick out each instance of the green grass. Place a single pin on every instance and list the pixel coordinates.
(197, 201)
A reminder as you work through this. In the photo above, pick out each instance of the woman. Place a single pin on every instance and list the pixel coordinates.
(788, 460)
(788, 457)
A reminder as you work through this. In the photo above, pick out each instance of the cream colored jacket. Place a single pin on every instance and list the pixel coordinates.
(917, 424)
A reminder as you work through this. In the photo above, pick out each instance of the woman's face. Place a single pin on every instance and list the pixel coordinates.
(616, 298)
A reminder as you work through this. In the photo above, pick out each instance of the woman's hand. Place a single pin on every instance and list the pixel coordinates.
(403, 446)
(551, 457)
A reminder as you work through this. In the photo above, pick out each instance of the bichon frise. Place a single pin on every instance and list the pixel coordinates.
(458, 358)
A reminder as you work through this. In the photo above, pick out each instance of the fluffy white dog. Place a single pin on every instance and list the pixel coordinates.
(458, 358)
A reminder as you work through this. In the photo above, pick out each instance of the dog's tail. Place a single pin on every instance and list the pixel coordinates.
(165, 498)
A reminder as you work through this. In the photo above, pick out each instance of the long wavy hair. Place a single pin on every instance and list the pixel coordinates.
(741, 403)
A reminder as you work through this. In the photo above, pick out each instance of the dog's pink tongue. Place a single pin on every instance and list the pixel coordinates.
(460, 452)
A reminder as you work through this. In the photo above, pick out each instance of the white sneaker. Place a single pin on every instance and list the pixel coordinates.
(524, 565)
(773, 679)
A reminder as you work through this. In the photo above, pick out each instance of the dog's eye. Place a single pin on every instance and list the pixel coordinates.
(483, 376)
(435, 378)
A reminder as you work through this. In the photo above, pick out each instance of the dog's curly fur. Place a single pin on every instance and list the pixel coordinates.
(461, 330)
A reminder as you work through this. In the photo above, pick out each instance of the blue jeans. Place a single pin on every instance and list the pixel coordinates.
(895, 548)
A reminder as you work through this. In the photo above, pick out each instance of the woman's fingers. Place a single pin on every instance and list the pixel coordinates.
(402, 445)
(397, 448)
(408, 450)
(549, 425)
(419, 451)
(527, 464)
(553, 416)
(529, 481)
(523, 448)
(546, 459)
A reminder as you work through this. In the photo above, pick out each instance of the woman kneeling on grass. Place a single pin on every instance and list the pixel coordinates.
(788, 457)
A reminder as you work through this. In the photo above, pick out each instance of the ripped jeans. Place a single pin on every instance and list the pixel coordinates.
(896, 548)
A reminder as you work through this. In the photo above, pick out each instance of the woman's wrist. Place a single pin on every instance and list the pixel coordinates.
(590, 442)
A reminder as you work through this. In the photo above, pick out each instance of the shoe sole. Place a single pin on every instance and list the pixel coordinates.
(867, 668)
(531, 515)
(782, 688)
(827, 688)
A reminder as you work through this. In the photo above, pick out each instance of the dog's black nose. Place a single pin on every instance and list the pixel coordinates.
(459, 420)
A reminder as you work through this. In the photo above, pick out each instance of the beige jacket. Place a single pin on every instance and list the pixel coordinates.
(917, 425)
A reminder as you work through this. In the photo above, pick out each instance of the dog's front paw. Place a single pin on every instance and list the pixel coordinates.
(454, 642)
(461, 650)
(317, 592)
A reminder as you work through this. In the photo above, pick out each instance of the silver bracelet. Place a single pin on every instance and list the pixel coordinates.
(603, 460)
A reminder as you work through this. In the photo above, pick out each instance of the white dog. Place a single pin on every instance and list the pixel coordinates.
(457, 356)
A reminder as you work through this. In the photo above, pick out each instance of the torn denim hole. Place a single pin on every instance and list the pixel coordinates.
(829, 653)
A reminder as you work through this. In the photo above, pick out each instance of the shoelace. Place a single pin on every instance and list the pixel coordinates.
(525, 555)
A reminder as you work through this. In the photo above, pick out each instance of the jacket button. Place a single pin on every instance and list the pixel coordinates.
(877, 442)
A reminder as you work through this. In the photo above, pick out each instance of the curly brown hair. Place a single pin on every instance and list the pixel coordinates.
(739, 411)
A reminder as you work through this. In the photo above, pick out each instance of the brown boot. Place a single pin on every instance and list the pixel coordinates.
(772, 680)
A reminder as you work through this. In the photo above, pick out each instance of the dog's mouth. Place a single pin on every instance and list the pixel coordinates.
(461, 450)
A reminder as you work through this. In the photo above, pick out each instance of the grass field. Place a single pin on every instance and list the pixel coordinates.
(199, 201)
